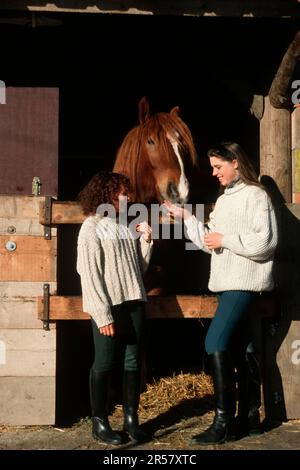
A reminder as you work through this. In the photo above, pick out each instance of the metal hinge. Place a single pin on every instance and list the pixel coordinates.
(46, 303)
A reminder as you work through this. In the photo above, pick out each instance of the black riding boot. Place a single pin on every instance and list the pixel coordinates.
(131, 397)
(224, 388)
(249, 397)
(98, 396)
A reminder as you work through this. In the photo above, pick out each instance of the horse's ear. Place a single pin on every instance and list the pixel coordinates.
(175, 111)
(144, 110)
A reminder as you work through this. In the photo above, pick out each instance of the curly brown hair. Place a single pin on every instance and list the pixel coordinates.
(103, 188)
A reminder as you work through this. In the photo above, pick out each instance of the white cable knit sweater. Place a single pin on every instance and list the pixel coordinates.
(110, 261)
(245, 216)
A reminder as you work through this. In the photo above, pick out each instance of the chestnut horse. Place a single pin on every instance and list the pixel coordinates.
(159, 157)
(154, 155)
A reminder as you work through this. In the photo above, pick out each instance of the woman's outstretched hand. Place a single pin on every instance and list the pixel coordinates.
(177, 211)
(146, 230)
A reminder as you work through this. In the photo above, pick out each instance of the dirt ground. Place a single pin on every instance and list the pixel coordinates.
(172, 435)
(172, 411)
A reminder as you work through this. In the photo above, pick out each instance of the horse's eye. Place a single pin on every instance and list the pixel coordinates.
(150, 141)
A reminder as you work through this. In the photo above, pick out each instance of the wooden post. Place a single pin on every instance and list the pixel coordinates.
(296, 154)
(275, 148)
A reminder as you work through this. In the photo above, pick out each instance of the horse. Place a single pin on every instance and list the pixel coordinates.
(159, 158)
(154, 155)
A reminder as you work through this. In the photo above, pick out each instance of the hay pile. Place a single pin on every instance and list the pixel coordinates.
(169, 392)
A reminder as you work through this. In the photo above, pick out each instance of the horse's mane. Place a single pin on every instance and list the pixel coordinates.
(132, 159)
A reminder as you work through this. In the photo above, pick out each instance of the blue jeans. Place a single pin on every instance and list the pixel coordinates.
(231, 313)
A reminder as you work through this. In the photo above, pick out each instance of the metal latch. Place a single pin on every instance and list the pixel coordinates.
(36, 186)
(46, 303)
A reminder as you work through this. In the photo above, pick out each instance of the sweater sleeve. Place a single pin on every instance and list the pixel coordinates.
(258, 244)
(95, 301)
(196, 230)
(145, 252)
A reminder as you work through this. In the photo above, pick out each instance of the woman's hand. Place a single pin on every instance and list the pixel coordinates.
(146, 231)
(108, 330)
(213, 240)
(177, 211)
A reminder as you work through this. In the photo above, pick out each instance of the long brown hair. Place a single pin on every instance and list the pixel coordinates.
(230, 151)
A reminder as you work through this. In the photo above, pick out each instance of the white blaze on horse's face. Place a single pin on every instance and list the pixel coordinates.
(183, 185)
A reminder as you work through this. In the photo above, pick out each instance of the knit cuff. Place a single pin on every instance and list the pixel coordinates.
(103, 317)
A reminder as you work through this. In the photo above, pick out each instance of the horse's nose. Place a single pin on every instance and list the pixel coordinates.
(173, 193)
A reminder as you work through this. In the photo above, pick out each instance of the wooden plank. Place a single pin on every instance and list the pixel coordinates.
(21, 214)
(296, 128)
(26, 353)
(288, 360)
(24, 289)
(70, 212)
(275, 148)
(19, 304)
(27, 400)
(20, 207)
(63, 212)
(180, 306)
(20, 313)
(33, 260)
(248, 8)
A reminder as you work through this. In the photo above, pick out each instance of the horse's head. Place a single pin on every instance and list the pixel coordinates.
(154, 155)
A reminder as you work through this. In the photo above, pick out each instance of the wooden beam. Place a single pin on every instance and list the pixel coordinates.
(275, 148)
(180, 306)
(248, 8)
(70, 212)
(63, 212)
(280, 92)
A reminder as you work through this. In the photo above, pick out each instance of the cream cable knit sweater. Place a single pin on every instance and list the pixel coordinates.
(245, 216)
(110, 261)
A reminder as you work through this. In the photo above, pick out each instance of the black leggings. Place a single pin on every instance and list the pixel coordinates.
(125, 348)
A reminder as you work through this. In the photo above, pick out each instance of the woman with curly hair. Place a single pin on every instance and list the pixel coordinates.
(110, 263)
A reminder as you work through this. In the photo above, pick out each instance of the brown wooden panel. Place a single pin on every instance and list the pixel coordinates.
(27, 400)
(63, 212)
(70, 212)
(70, 308)
(29, 140)
(33, 260)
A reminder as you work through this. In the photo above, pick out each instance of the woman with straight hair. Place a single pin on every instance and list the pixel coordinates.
(241, 237)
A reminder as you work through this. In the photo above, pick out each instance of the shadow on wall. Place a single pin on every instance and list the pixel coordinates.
(280, 375)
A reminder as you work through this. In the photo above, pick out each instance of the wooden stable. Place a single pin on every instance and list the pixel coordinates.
(30, 306)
